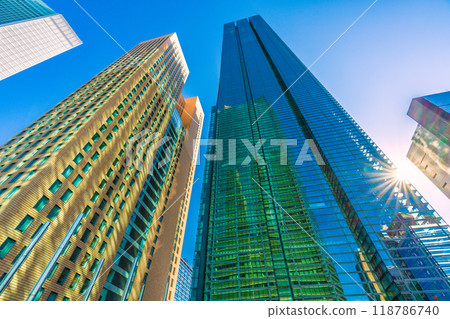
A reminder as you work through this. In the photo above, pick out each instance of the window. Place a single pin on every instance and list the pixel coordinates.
(102, 225)
(39, 294)
(16, 177)
(86, 235)
(63, 276)
(12, 192)
(52, 272)
(110, 210)
(67, 171)
(56, 185)
(94, 219)
(94, 242)
(4, 179)
(102, 205)
(85, 286)
(66, 248)
(94, 265)
(45, 159)
(41, 204)
(87, 147)
(78, 158)
(87, 168)
(66, 299)
(116, 217)
(95, 137)
(102, 146)
(102, 184)
(77, 181)
(152, 251)
(75, 254)
(66, 196)
(95, 156)
(28, 176)
(6, 247)
(95, 197)
(85, 260)
(52, 296)
(25, 223)
(54, 212)
(74, 282)
(102, 247)
(86, 211)
(109, 232)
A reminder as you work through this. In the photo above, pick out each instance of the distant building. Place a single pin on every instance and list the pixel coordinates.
(430, 148)
(184, 281)
(30, 33)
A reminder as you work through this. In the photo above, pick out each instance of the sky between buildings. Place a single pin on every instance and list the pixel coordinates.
(398, 50)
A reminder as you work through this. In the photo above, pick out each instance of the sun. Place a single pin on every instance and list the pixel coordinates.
(401, 174)
(404, 171)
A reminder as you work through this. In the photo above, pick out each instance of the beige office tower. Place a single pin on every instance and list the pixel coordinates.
(94, 194)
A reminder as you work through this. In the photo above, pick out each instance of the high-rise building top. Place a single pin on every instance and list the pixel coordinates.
(430, 148)
(94, 194)
(184, 281)
(18, 10)
(332, 224)
(30, 33)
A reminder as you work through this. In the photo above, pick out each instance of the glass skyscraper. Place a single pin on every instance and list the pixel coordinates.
(184, 281)
(430, 148)
(31, 32)
(335, 224)
(94, 194)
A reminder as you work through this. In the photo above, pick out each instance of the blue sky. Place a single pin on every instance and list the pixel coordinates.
(398, 50)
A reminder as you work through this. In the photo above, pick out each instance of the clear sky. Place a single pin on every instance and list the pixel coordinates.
(399, 50)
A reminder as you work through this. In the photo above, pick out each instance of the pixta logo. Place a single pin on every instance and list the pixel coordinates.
(142, 148)
(255, 151)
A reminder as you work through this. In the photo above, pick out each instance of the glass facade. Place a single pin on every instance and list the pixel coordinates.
(339, 228)
(430, 148)
(184, 281)
(19, 10)
(30, 33)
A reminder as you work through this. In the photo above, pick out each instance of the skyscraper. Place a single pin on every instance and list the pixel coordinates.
(184, 281)
(94, 194)
(279, 223)
(30, 33)
(430, 148)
